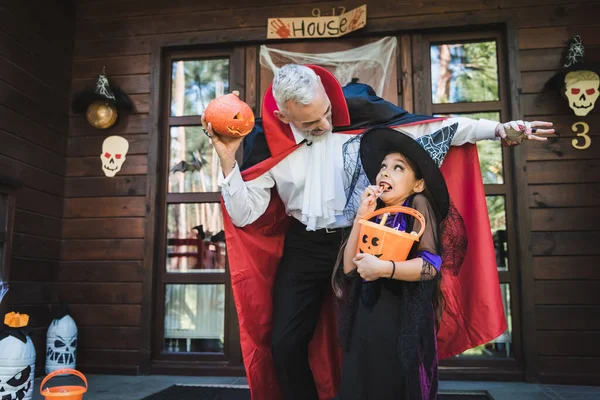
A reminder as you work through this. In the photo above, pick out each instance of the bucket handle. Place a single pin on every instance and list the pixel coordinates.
(396, 209)
(63, 371)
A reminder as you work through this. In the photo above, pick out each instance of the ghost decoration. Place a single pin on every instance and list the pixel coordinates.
(578, 82)
(17, 359)
(114, 150)
(581, 89)
(61, 342)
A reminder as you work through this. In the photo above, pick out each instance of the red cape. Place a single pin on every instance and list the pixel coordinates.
(474, 312)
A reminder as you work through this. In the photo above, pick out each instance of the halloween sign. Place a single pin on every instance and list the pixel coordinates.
(317, 26)
(230, 116)
(17, 358)
(114, 150)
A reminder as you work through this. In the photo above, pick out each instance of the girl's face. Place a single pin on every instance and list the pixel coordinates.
(398, 180)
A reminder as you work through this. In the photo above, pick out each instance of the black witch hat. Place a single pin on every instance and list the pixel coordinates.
(103, 91)
(574, 61)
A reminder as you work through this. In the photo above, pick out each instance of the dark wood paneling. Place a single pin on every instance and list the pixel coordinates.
(567, 292)
(581, 318)
(116, 249)
(565, 219)
(561, 149)
(105, 207)
(126, 125)
(32, 131)
(32, 154)
(566, 195)
(100, 271)
(32, 177)
(123, 315)
(39, 202)
(108, 338)
(93, 293)
(565, 243)
(35, 246)
(107, 357)
(103, 228)
(572, 365)
(134, 185)
(92, 145)
(572, 267)
(31, 269)
(567, 343)
(572, 171)
(557, 36)
(552, 59)
(24, 293)
(129, 65)
(38, 224)
(131, 84)
(92, 166)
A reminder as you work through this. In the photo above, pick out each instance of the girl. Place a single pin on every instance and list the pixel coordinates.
(392, 308)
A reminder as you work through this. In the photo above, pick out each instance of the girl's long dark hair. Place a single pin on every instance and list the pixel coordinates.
(437, 296)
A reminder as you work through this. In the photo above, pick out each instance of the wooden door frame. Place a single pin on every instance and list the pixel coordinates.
(497, 19)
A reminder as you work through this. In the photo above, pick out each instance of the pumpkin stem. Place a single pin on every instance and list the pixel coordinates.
(235, 92)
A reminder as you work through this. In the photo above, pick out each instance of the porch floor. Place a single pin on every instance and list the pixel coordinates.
(116, 387)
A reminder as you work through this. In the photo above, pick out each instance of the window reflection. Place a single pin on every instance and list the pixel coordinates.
(195, 83)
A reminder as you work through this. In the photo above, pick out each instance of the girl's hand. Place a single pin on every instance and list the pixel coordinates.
(368, 201)
(368, 266)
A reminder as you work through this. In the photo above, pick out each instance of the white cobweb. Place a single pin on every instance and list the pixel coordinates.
(3, 289)
(373, 63)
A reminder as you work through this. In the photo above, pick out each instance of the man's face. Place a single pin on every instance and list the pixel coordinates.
(313, 120)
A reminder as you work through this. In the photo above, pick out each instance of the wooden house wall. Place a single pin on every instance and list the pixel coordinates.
(103, 236)
(36, 43)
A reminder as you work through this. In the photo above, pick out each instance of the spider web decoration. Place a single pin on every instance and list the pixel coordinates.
(103, 88)
(3, 289)
(438, 143)
(576, 52)
(355, 177)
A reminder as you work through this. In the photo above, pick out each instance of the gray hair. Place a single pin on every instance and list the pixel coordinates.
(294, 82)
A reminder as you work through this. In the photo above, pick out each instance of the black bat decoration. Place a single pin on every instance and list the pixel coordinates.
(184, 166)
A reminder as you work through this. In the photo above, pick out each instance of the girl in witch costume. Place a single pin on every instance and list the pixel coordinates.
(392, 308)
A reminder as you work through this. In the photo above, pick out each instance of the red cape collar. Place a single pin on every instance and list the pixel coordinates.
(280, 138)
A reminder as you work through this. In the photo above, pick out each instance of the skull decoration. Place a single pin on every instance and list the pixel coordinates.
(581, 89)
(17, 359)
(114, 150)
(61, 344)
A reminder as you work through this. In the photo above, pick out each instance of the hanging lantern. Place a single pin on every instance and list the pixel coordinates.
(102, 104)
(61, 342)
(17, 358)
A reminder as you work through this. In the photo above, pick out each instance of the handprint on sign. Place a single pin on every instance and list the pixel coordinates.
(280, 28)
(354, 22)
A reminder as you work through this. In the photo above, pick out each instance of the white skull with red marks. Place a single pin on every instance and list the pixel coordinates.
(114, 150)
(581, 89)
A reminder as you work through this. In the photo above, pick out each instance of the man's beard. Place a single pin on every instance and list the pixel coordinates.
(315, 138)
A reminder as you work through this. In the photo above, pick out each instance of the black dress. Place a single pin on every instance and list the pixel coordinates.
(388, 331)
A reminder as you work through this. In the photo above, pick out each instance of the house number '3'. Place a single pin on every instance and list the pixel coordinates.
(587, 141)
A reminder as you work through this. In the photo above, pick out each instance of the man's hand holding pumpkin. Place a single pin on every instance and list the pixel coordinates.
(225, 146)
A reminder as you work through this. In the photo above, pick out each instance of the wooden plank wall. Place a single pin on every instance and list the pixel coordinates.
(36, 44)
(101, 269)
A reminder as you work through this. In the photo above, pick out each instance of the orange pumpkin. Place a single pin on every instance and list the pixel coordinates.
(230, 116)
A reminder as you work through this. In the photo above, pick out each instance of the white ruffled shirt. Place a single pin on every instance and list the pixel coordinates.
(310, 180)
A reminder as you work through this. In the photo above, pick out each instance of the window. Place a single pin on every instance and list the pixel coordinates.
(196, 316)
(465, 77)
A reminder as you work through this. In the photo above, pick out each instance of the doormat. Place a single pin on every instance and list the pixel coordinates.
(181, 392)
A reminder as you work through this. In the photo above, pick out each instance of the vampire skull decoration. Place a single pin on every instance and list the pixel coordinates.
(114, 150)
(581, 89)
(17, 359)
(61, 344)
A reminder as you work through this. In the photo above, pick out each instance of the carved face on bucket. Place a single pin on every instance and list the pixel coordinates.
(370, 245)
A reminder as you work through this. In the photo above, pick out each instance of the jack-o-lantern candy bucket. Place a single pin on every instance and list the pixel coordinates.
(64, 392)
(230, 116)
(384, 242)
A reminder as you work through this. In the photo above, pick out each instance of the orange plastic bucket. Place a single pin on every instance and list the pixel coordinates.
(64, 392)
(387, 243)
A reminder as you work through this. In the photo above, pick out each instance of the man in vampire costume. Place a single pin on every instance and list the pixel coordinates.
(285, 212)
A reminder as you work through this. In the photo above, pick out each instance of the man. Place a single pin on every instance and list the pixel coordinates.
(313, 171)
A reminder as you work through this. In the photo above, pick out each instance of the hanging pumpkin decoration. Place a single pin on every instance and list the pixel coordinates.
(102, 104)
(230, 116)
(61, 342)
(578, 82)
(17, 358)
